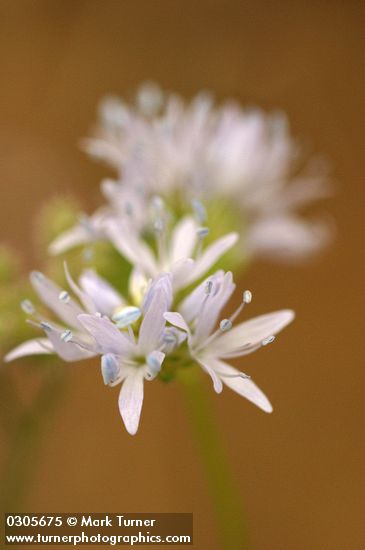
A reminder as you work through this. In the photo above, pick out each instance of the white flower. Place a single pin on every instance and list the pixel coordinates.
(95, 329)
(179, 252)
(166, 146)
(199, 314)
(131, 361)
(124, 203)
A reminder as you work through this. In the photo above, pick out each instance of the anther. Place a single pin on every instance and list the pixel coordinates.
(208, 287)
(158, 226)
(158, 204)
(126, 316)
(247, 297)
(66, 335)
(225, 325)
(109, 369)
(88, 254)
(169, 338)
(45, 325)
(202, 232)
(38, 275)
(268, 340)
(238, 375)
(153, 364)
(64, 296)
(27, 307)
(199, 211)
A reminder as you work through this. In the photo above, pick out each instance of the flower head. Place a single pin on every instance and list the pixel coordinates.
(103, 326)
(163, 145)
(199, 314)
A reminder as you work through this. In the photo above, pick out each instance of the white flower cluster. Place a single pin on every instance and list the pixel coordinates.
(171, 156)
(135, 335)
(161, 145)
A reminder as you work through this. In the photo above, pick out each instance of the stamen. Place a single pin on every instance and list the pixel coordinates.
(66, 335)
(84, 220)
(38, 275)
(169, 338)
(27, 307)
(131, 334)
(208, 287)
(64, 296)
(199, 210)
(247, 297)
(225, 324)
(125, 316)
(238, 375)
(268, 340)
(153, 365)
(158, 204)
(109, 369)
(45, 326)
(201, 232)
(158, 226)
(88, 254)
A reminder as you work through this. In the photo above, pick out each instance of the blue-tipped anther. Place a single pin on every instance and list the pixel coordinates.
(247, 296)
(126, 316)
(202, 232)
(38, 275)
(153, 364)
(27, 307)
(268, 340)
(225, 325)
(199, 211)
(64, 296)
(45, 325)
(66, 335)
(208, 287)
(109, 369)
(158, 226)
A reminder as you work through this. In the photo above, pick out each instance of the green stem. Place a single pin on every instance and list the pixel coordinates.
(25, 441)
(223, 488)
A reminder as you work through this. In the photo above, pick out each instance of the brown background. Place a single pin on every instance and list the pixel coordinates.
(301, 470)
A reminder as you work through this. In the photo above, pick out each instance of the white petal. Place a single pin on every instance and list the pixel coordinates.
(212, 254)
(137, 285)
(223, 288)
(286, 237)
(242, 386)
(68, 351)
(176, 319)
(86, 300)
(125, 240)
(217, 382)
(184, 239)
(191, 305)
(106, 334)
(75, 236)
(153, 323)
(131, 399)
(181, 271)
(251, 332)
(49, 293)
(103, 150)
(103, 295)
(37, 346)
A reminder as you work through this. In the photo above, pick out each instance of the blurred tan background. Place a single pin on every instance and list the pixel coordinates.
(301, 470)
